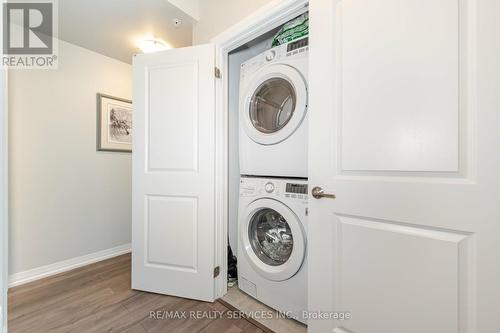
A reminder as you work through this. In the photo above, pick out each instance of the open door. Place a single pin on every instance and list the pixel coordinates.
(173, 172)
(404, 132)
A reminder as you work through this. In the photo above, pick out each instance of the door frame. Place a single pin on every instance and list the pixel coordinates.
(264, 19)
(4, 190)
(4, 196)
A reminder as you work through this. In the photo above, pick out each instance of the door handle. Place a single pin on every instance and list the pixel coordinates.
(318, 193)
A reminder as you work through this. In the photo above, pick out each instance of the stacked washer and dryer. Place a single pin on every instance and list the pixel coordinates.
(272, 216)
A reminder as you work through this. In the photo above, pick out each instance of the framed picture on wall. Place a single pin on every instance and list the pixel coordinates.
(114, 123)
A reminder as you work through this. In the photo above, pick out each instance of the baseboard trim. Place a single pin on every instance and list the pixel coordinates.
(34, 274)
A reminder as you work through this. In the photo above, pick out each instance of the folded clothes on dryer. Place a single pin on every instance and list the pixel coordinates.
(292, 30)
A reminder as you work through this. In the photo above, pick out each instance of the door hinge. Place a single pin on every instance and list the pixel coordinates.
(217, 73)
(216, 271)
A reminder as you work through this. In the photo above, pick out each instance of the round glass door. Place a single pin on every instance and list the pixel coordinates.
(270, 237)
(272, 105)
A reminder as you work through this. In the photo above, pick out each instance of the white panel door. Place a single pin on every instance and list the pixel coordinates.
(404, 130)
(173, 172)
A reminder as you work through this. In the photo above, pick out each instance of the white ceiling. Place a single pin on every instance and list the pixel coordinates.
(110, 27)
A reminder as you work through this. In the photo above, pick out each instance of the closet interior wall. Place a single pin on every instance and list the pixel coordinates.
(235, 59)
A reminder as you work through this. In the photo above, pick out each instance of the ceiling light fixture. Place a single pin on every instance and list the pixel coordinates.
(151, 44)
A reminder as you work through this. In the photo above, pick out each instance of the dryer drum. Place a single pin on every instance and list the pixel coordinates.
(272, 105)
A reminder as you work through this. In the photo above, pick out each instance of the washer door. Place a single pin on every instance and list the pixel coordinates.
(275, 104)
(273, 239)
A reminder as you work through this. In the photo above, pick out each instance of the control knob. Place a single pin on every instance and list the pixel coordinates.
(270, 55)
(269, 187)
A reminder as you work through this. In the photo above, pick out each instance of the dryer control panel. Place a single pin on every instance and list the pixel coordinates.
(295, 49)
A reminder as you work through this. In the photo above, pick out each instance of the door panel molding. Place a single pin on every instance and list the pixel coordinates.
(172, 231)
(162, 145)
(355, 155)
(376, 258)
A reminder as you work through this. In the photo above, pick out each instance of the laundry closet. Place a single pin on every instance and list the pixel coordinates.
(267, 167)
(375, 207)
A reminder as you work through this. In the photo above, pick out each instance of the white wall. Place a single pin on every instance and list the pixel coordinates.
(66, 199)
(218, 15)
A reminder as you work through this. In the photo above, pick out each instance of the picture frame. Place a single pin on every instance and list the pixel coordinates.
(114, 123)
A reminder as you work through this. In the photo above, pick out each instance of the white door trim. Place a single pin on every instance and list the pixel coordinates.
(4, 190)
(4, 193)
(266, 18)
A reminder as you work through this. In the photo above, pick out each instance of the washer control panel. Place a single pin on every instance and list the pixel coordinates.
(288, 188)
(269, 187)
(296, 190)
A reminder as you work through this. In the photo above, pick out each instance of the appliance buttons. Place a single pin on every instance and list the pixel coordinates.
(270, 55)
(269, 187)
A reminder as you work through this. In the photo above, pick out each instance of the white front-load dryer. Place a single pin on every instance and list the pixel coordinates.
(272, 247)
(273, 112)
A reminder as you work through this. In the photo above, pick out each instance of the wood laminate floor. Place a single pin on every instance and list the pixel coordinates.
(235, 298)
(98, 298)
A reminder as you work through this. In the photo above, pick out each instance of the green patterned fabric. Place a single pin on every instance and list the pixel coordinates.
(292, 30)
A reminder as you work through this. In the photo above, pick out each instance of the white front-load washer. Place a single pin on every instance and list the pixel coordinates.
(273, 112)
(272, 249)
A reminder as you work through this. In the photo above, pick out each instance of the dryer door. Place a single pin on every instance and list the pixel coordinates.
(275, 104)
(273, 239)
